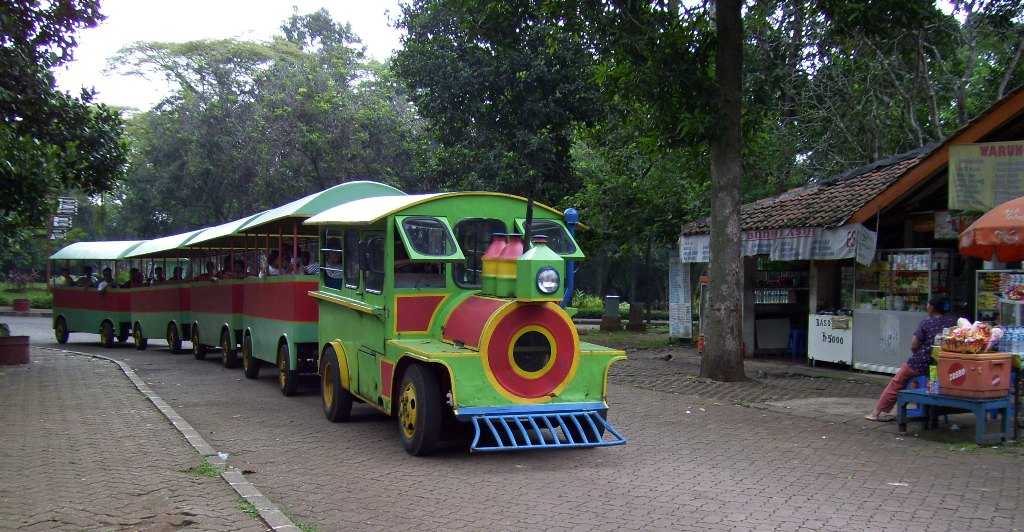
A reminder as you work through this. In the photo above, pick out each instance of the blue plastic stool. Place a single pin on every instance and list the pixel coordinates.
(916, 383)
(797, 343)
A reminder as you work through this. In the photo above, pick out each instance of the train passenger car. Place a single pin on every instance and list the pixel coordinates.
(161, 308)
(423, 315)
(280, 320)
(78, 304)
(216, 296)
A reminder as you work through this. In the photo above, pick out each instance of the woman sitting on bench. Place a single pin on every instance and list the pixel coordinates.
(920, 358)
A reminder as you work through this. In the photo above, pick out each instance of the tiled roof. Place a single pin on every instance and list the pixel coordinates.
(826, 204)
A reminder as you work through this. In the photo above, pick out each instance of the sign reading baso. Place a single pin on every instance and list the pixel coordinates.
(982, 176)
(826, 343)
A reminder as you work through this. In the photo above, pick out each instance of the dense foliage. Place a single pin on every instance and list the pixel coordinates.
(502, 86)
(50, 141)
(603, 105)
(254, 125)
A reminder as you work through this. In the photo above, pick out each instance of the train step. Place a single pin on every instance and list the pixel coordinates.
(562, 430)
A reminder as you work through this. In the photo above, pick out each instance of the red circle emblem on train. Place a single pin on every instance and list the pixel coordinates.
(531, 352)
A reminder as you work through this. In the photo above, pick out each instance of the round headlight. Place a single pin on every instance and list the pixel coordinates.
(547, 280)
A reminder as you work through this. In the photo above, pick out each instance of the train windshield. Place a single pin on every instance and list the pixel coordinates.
(558, 239)
(428, 238)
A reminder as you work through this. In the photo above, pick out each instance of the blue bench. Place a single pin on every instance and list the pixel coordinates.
(931, 403)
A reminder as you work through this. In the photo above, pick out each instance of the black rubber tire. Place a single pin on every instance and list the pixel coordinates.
(429, 414)
(60, 330)
(250, 365)
(338, 403)
(173, 338)
(230, 355)
(287, 378)
(107, 334)
(140, 341)
(198, 349)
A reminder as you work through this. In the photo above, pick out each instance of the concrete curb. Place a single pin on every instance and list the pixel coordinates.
(269, 512)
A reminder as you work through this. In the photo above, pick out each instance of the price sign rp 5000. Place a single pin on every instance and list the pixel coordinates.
(829, 344)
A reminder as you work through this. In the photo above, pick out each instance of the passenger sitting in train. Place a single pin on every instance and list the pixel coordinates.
(207, 274)
(65, 278)
(158, 276)
(86, 280)
(332, 270)
(177, 276)
(225, 271)
(274, 266)
(239, 271)
(308, 266)
(289, 264)
(106, 281)
(134, 279)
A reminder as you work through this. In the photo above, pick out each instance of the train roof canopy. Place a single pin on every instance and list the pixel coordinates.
(109, 250)
(168, 246)
(369, 210)
(274, 220)
(223, 235)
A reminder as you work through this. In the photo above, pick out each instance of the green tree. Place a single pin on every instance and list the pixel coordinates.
(252, 125)
(50, 141)
(502, 86)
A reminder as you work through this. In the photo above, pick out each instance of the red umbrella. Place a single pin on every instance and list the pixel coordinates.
(999, 233)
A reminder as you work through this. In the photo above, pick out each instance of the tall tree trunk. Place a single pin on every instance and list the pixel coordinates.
(723, 359)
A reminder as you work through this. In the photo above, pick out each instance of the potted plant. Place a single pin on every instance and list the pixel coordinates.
(13, 349)
(20, 281)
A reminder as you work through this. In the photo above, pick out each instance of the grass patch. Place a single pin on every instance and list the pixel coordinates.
(248, 508)
(204, 469)
(37, 294)
(305, 527)
(654, 337)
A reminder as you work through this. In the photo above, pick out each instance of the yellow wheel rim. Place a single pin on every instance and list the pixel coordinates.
(328, 385)
(103, 334)
(282, 370)
(407, 410)
(137, 336)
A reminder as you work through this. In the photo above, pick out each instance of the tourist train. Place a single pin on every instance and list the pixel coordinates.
(442, 310)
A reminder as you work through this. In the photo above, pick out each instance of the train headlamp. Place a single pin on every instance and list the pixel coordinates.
(547, 280)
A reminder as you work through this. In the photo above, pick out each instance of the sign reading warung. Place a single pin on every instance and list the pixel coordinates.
(982, 176)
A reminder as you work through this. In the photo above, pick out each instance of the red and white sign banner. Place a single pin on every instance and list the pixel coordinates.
(800, 243)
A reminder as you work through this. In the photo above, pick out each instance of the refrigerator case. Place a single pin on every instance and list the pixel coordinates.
(891, 296)
(999, 296)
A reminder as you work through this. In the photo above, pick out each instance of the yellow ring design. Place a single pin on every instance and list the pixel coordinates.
(485, 340)
(547, 365)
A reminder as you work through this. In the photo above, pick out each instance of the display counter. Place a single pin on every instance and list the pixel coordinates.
(881, 338)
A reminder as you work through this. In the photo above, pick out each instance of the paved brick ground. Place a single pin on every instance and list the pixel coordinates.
(648, 369)
(81, 449)
(693, 463)
(717, 467)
